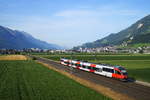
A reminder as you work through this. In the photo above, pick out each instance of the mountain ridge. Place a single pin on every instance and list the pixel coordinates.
(14, 39)
(139, 32)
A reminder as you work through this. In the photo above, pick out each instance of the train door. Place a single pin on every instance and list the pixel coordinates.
(117, 74)
(98, 70)
(108, 74)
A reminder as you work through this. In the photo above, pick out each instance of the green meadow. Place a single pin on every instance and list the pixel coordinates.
(137, 65)
(27, 80)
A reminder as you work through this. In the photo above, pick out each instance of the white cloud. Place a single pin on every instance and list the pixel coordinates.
(74, 13)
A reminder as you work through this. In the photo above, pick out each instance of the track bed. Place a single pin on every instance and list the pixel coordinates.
(131, 89)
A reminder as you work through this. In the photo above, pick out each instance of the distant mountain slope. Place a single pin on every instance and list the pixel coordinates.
(13, 39)
(136, 33)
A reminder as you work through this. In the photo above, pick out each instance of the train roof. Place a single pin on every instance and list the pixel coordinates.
(101, 64)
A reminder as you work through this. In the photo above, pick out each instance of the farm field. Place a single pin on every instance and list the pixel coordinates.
(138, 66)
(13, 57)
(27, 80)
(98, 57)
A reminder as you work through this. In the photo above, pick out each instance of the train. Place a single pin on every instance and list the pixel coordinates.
(112, 71)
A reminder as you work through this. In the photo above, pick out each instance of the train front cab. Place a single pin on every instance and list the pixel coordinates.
(120, 74)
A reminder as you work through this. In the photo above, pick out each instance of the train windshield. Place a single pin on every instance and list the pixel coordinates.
(121, 68)
(124, 73)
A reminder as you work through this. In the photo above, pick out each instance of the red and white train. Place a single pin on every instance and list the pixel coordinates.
(116, 71)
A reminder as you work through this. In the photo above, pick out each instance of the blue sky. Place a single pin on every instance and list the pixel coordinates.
(71, 22)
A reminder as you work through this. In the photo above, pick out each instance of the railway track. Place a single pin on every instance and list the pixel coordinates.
(131, 89)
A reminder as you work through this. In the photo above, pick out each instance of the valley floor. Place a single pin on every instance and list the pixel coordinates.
(27, 80)
(138, 66)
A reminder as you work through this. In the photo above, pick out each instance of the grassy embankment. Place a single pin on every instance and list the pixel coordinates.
(27, 80)
(138, 66)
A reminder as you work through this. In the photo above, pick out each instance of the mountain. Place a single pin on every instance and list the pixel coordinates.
(136, 33)
(14, 39)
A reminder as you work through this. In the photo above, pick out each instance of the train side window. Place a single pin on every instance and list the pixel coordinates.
(111, 70)
(95, 68)
(108, 70)
(72, 63)
(83, 66)
(78, 65)
(89, 67)
(105, 69)
(117, 72)
(66, 62)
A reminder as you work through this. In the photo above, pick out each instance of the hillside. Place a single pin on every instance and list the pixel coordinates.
(14, 39)
(136, 33)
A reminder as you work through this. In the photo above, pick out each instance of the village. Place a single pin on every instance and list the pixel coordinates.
(107, 49)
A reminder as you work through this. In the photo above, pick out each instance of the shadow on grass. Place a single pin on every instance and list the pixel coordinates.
(131, 79)
(139, 74)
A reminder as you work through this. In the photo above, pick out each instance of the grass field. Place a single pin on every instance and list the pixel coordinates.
(98, 57)
(138, 66)
(27, 80)
(138, 69)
